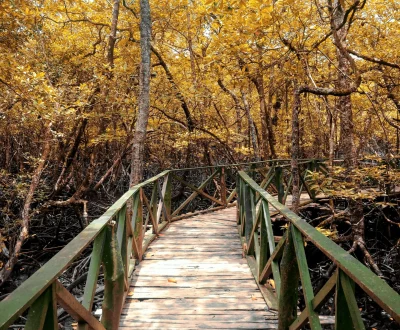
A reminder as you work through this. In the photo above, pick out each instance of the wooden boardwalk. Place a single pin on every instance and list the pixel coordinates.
(195, 277)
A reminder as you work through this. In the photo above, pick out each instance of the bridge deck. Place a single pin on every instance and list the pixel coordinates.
(194, 276)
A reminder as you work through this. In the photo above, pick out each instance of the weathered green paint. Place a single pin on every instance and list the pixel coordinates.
(37, 312)
(22, 297)
(168, 195)
(51, 321)
(305, 278)
(122, 235)
(347, 313)
(152, 207)
(287, 304)
(248, 209)
(113, 281)
(319, 300)
(264, 246)
(32, 291)
(374, 286)
(271, 244)
(275, 256)
(279, 183)
(93, 273)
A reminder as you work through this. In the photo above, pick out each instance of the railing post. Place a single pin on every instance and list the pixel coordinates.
(113, 281)
(93, 274)
(238, 200)
(249, 215)
(289, 284)
(223, 187)
(137, 225)
(279, 183)
(43, 312)
(347, 313)
(168, 196)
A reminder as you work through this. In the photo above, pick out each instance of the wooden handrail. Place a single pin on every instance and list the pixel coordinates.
(350, 270)
(120, 238)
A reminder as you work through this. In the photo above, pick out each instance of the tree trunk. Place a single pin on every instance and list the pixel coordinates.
(237, 108)
(295, 152)
(144, 94)
(113, 33)
(7, 269)
(267, 134)
(252, 129)
(344, 108)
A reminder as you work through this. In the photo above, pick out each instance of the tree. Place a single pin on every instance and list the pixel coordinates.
(144, 94)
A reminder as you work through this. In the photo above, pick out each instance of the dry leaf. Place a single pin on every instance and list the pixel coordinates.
(130, 293)
(272, 283)
(253, 298)
(172, 280)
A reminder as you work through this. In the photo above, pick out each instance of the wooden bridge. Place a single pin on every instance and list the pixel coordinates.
(221, 267)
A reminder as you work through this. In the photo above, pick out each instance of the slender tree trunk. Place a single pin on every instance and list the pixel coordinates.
(237, 108)
(295, 152)
(267, 133)
(344, 108)
(252, 129)
(144, 94)
(113, 33)
(7, 269)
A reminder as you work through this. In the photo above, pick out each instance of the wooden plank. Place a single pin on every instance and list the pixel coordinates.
(184, 318)
(152, 313)
(200, 325)
(179, 293)
(204, 273)
(200, 303)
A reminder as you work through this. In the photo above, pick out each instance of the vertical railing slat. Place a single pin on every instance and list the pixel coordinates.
(93, 272)
(271, 244)
(347, 312)
(113, 281)
(305, 278)
(38, 310)
(287, 305)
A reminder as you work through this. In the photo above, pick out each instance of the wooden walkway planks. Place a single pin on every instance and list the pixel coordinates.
(214, 286)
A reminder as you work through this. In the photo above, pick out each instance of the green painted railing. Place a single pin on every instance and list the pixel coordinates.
(286, 264)
(118, 240)
(122, 234)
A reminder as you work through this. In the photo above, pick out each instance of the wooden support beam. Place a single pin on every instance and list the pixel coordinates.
(194, 194)
(75, 309)
(198, 191)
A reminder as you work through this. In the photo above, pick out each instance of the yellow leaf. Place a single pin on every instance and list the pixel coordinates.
(172, 280)
(130, 293)
(272, 283)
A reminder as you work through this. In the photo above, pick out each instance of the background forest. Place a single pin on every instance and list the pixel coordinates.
(225, 78)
